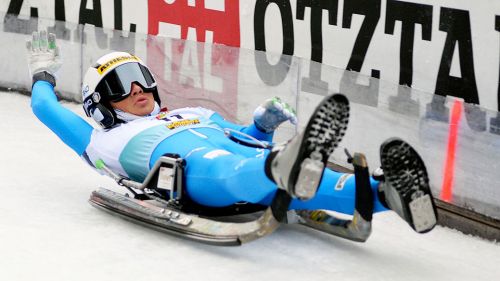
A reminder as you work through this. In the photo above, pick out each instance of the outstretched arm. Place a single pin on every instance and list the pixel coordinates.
(44, 61)
(68, 126)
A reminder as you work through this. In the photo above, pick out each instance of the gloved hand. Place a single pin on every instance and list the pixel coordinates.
(270, 114)
(43, 54)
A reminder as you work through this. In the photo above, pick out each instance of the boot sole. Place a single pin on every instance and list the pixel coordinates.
(323, 133)
(405, 171)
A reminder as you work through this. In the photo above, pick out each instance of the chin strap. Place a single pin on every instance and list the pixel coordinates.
(127, 117)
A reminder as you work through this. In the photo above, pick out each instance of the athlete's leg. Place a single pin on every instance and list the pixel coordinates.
(337, 192)
(220, 172)
(217, 177)
(225, 179)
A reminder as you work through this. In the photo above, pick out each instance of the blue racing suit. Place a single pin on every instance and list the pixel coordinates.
(219, 172)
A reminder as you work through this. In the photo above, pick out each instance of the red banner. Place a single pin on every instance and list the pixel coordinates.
(223, 21)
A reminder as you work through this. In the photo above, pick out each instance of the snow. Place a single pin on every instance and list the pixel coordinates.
(48, 231)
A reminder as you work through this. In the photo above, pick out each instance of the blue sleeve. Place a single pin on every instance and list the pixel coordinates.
(249, 130)
(68, 126)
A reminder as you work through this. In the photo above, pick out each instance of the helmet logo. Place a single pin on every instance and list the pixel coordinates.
(96, 97)
(85, 90)
(87, 105)
(116, 60)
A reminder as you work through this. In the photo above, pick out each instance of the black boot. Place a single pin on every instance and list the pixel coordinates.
(405, 187)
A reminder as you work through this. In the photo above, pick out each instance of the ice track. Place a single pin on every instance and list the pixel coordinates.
(48, 231)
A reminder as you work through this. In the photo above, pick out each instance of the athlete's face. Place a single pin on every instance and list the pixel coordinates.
(138, 102)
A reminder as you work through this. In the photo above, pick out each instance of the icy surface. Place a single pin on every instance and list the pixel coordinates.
(48, 231)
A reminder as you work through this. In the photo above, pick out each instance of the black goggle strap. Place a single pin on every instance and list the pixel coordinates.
(148, 76)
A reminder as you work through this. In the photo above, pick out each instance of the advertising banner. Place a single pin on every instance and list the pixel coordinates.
(446, 47)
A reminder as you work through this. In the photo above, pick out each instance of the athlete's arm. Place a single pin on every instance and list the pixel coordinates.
(267, 117)
(68, 126)
(251, 129)
(43, 62)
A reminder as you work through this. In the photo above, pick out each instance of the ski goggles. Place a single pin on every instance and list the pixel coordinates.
(117, 84)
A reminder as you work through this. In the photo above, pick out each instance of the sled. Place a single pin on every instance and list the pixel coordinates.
(160, 202)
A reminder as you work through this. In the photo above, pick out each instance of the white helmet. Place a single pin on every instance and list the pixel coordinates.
(110, 79)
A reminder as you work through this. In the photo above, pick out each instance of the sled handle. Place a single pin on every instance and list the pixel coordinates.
(100, 165)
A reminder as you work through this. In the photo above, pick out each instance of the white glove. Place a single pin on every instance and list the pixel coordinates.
(43, 54)
(270, 114)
